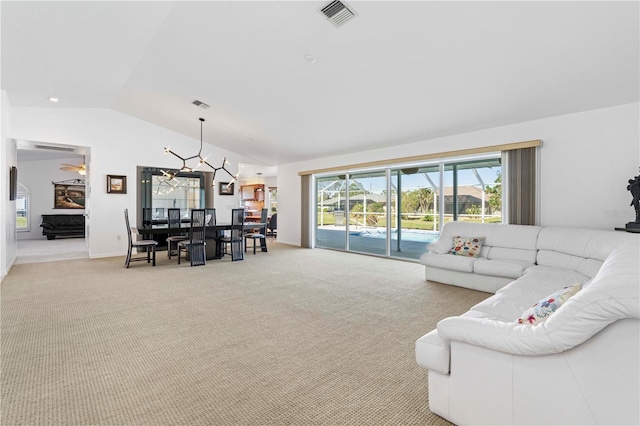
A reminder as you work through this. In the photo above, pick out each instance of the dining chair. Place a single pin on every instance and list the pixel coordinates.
(212, 235)
(149, 245)
(196, 243)
(175, 235)
(260, 234)
(210, 217)
(235, 239)
(272, 228)
(159, 213)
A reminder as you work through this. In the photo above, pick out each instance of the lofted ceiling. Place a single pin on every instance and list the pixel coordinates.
(284, 84)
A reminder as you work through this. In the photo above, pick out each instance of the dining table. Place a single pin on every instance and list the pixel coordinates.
(214, 249)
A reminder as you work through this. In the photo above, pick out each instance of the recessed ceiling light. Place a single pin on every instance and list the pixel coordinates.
(54, 99)
(310, 59)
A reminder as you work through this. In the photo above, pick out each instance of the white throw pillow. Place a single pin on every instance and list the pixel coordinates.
(538, 313)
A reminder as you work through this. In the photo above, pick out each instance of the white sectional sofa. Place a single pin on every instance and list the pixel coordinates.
(580, 366)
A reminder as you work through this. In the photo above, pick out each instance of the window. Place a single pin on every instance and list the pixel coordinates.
(23, 224)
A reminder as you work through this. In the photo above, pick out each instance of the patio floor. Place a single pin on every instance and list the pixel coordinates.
(326, 237)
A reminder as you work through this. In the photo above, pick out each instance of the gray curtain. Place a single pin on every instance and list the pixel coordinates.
(305, 214)
(521, 186)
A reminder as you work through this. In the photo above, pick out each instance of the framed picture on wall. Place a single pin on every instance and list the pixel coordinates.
(226, 188)
(68, 196)
(13, 183)
(116, 184)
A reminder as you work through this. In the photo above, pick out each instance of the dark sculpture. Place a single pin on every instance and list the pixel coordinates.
(634, 188)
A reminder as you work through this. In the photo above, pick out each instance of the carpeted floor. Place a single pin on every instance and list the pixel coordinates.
(293, 336)
(43, 250)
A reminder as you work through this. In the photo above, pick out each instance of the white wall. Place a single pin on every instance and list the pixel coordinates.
(118, 143)
(37, 176)
(586, 160)
(8, 158)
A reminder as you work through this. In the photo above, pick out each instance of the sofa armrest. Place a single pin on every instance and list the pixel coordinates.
(433, 352)
(574, 323)
(508, 337)
(441, 246)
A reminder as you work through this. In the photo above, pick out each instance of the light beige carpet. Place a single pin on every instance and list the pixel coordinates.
(43, 250)
(293, 336)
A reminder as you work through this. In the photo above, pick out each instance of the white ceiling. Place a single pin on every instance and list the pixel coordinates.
(398, 72)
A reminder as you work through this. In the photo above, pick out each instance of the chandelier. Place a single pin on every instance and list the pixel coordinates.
(201, 160)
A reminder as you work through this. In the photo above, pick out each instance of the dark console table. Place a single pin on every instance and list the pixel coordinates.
(62, 225)
(632, 230)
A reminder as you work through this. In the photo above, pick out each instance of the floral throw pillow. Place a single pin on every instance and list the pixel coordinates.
(539, 312)
(470, 247)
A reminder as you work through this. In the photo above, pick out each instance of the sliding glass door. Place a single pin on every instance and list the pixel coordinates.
(367, 216)
(414, 189)
(396, 212)
(331, 224)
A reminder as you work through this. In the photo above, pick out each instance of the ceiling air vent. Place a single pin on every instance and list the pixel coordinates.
(200, 104)
(337, 12)
(55, 148)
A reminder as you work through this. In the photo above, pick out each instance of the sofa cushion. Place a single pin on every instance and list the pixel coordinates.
(588, 267)
(500, 268)
(555, 277)
(512, 300)
(539, 312)
(523, 237)
(453, 263)
(504, 253)
(584, 243)
(498, 307)
(466, 246)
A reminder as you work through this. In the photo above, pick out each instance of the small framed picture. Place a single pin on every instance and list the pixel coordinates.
(226, 188)
(13, 183)
(116, 184)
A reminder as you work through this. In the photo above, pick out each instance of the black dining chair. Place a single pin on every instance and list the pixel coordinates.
(210, 217)
(211, 234)
(235, 240)
(175, 234)
(259, 233)
(272, 228)
(149, 245)
(196, 243)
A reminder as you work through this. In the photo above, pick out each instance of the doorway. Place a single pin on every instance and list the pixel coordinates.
(41, 166)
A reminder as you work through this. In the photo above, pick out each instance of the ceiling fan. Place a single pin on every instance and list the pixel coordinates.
(80, 168)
